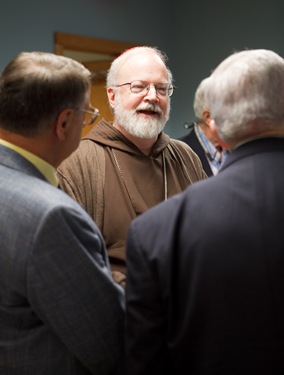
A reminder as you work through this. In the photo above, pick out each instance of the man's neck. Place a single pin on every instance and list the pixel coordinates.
(39, 146)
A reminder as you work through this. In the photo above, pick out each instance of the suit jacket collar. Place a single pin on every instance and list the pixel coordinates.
(256, 146)
(13, 160)
(192, 140)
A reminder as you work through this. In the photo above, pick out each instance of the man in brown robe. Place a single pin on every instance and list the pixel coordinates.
(121, 169)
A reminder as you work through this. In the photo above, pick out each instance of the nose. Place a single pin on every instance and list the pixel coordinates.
(151, 93)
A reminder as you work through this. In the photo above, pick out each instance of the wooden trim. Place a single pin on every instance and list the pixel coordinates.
(75, 42)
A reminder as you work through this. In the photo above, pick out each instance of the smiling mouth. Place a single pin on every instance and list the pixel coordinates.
(148, 112)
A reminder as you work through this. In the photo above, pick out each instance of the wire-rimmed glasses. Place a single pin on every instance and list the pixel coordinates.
(142, 88)
(91, 115)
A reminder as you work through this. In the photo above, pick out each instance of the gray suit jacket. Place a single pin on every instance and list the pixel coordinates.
(60, 312)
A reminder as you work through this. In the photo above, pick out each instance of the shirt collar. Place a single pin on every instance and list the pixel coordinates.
(210, 148)
(45, 168)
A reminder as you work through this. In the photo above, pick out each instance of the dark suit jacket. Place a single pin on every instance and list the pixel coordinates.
(60, 312)
(205, 281)
(192, 140)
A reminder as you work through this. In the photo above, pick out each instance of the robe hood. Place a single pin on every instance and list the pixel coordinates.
(106, 134)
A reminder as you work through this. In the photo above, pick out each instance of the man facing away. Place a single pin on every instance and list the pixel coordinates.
(123, 168)
(205, 274)
(201, 139)
(60, 311)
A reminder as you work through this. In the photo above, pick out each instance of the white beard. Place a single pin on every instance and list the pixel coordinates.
(137, 125)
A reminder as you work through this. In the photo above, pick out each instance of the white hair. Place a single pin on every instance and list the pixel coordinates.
(120, 60)
(245, 93)
(199, 104)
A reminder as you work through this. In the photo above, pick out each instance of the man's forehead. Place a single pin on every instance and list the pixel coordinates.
(142, 64)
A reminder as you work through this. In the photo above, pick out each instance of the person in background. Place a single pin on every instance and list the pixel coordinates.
(60, 310)
(205, 281)
(201, 139)
(121, 169)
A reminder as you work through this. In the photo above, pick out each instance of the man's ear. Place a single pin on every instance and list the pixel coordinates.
(206, 117)
(63, 123)
(111, 96)
(214, 131)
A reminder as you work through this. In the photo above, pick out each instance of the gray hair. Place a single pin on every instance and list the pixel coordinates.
(111, 79)
(199, 104)
(36, 86)
(245, 94)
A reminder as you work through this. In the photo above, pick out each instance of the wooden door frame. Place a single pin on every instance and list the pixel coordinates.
(81, 43)
(109, 49)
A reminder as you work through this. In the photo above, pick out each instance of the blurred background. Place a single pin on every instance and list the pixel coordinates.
(196, 36)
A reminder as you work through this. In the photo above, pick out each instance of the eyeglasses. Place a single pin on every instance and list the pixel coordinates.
(142, 88)
(91, 115)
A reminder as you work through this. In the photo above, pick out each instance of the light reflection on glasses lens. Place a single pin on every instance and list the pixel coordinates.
(90, 115)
